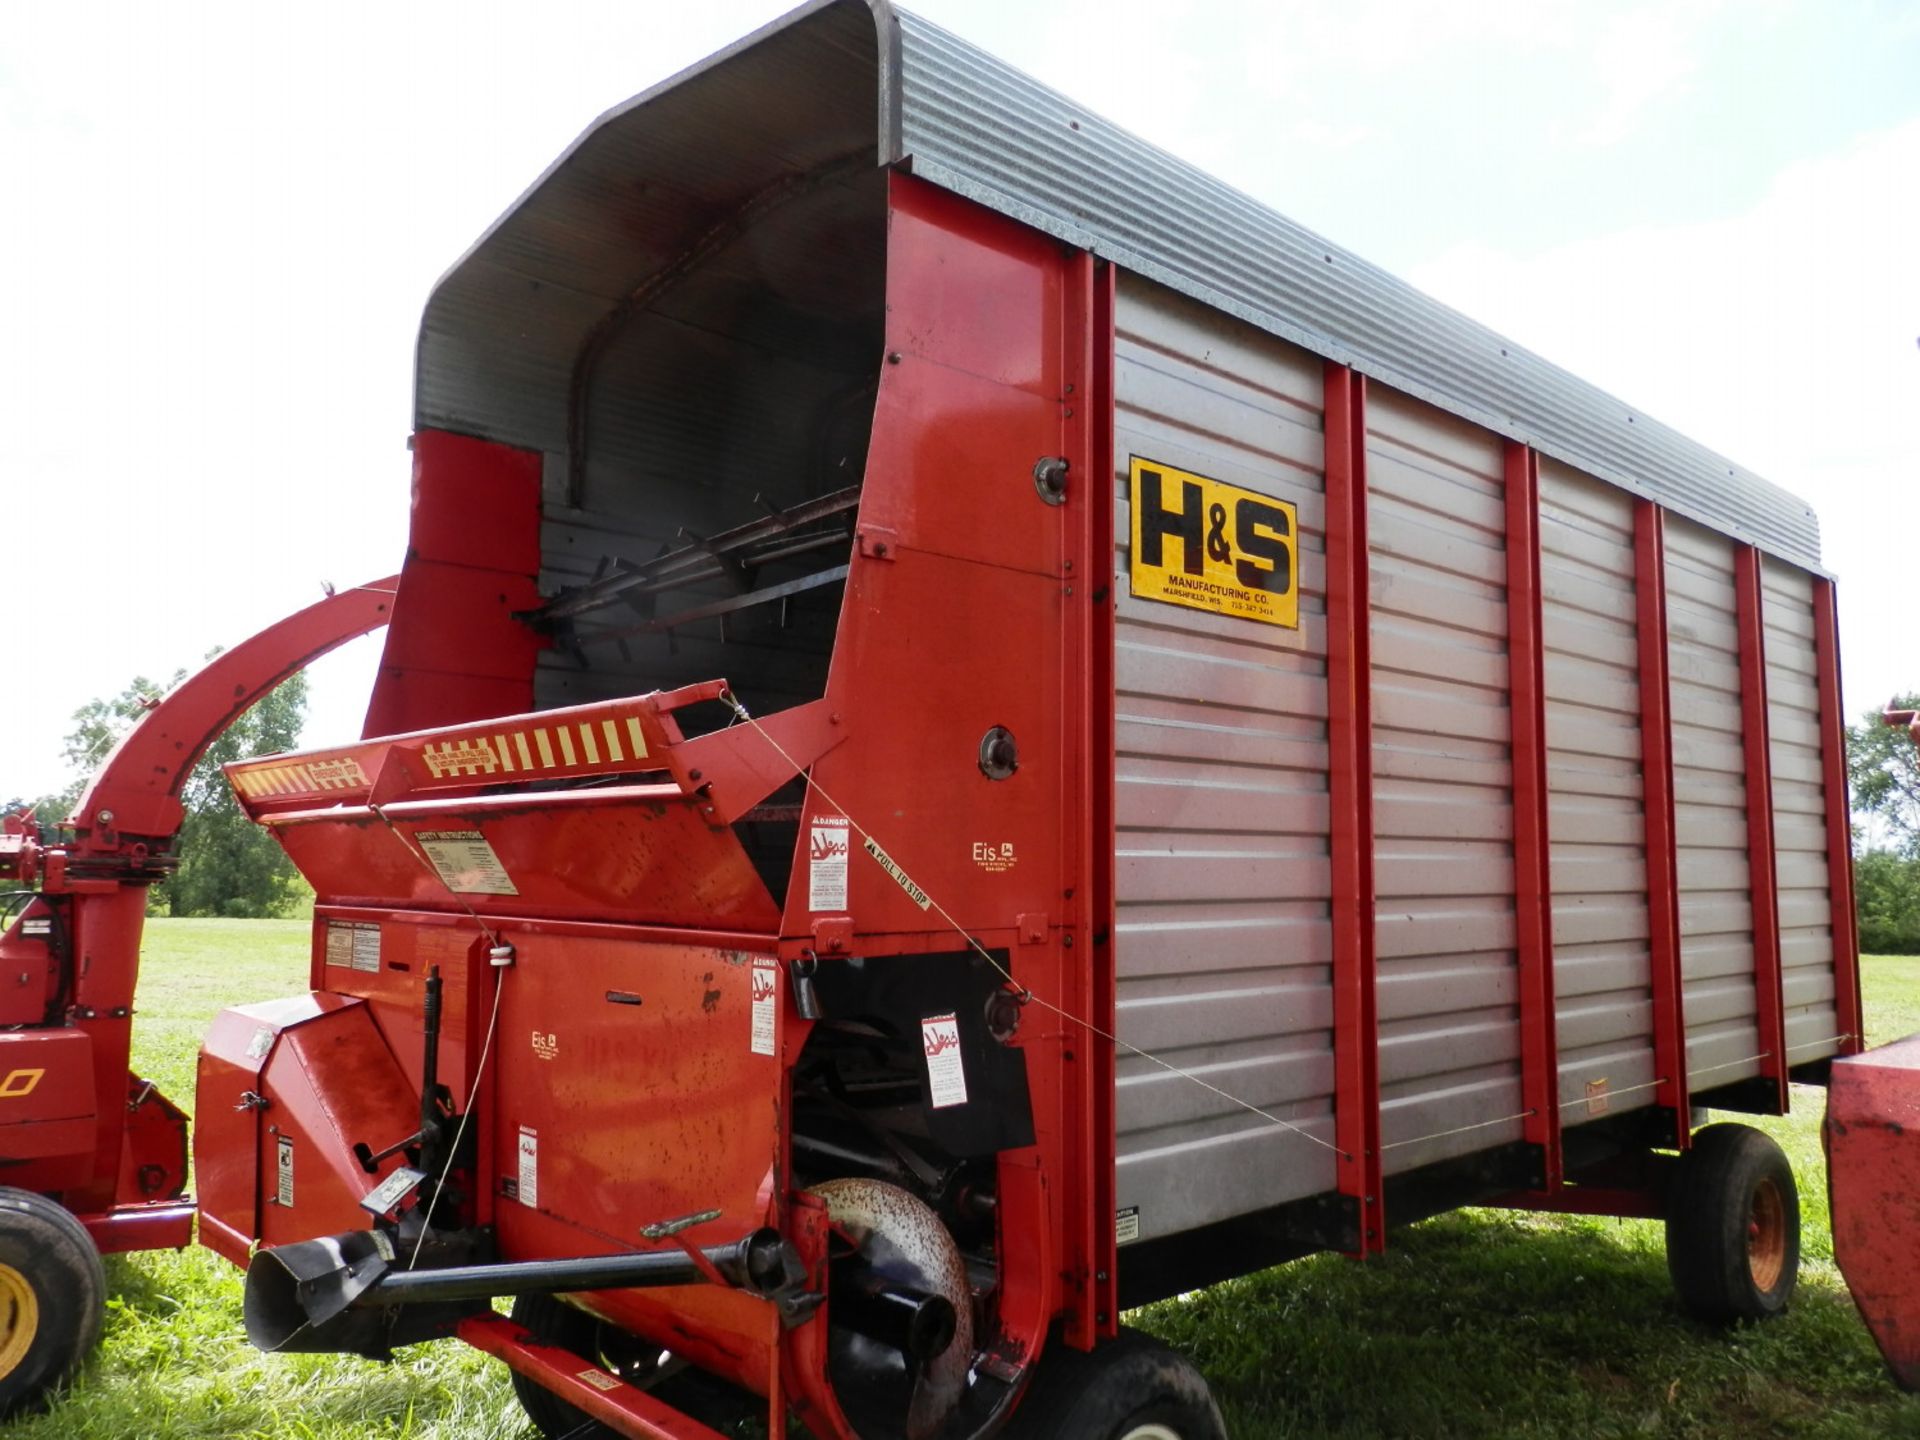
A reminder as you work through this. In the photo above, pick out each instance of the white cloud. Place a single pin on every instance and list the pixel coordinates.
(1783, 336)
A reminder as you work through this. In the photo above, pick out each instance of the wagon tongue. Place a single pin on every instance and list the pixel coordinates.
(605, 810)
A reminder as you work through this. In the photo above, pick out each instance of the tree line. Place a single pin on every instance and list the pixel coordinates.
(227, 864)
(1883, 770)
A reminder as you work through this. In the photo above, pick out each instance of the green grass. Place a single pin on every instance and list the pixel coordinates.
(1477, 1324)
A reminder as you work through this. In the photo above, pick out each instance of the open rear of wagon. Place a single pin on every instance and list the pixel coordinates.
(938, 775)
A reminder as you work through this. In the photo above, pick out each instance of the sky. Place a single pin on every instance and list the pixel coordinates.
(222, 222)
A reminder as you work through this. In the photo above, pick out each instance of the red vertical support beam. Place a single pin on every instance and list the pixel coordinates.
(1532, 871)
(1663, 869)
(1833, 775)
(1356, 1028)
(1763, 884)
(1086, 405)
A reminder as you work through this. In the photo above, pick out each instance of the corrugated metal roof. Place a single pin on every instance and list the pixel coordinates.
(784, 100)
(972, 124)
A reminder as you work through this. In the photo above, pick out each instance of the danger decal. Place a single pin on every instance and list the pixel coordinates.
(827, 846)
(946, 1072)
(1212, 546)
(766, 992)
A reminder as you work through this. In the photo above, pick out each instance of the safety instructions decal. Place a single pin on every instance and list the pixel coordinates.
(946, 1073)
(766, 990)
(827, 863)
(283, 1173)
(1213, 546)
(1126, 1225)
(466, 862)
(529, 1168)
(354, 945)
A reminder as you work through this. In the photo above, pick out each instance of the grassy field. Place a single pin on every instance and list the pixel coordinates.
(1478, 1324)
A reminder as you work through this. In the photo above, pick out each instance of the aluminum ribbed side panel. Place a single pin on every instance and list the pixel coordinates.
(1221, 795)
(1442, 788)
(1710, 808)
(1596, 801)
(976, 125)
(1799, 815)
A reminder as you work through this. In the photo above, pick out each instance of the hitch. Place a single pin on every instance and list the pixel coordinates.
(343, 1294)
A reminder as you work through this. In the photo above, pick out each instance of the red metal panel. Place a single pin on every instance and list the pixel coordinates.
(1873, 1175)
(1763, 883)
(164, 1225)
(1088, 792)
(1663, 881)
(1833, 762)
(1532, 869)
(1350, 781)
(642, 853)
(455, 652)
(621, 1407)
(628, 1089)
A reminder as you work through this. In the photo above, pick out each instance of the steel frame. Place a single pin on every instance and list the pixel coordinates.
(1532, 858)
(1663, 895)
(1350, 781)
(1763, 882)
(1833, 764)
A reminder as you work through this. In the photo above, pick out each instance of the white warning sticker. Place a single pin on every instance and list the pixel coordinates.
(261, 1043)
(1126, 1225)
(827, 863)
(946, 1074)
(283, 1176)
(466, 862)
(529, 1167)
(766, 994)
(354, 945)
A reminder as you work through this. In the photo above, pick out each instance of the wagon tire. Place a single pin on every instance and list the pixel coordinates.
(1733, 1226)
(1131, 1388)
(53, 1298)
(574, 1330)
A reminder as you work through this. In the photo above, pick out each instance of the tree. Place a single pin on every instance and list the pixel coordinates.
(228, 865)
(1883, 768)
(1887, 893)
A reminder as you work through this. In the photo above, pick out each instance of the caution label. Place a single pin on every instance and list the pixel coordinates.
(529, 1187)
(354, 945)
(1209, 545)
(283, 1173)
(946, 1072)
(766, 994)
(827, 847)
(466, 862)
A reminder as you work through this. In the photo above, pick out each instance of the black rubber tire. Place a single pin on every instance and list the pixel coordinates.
(577, 1331)
(1121, 1386)
(50, 1251)
(1733, 1184)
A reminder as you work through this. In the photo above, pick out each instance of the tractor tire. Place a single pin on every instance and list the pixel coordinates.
(1733, 1226)
(53, 1298)
(1131, 1388)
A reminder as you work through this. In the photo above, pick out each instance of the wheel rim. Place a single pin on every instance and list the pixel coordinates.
(1767, 1235)
(1151, 1432)
(19, 1318)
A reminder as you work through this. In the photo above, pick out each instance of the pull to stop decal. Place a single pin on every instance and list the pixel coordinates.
(1212, 546)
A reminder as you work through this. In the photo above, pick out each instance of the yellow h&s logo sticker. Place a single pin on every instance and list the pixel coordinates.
(1212, 546)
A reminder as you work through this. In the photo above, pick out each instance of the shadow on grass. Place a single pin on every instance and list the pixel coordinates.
(1484, 1324)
